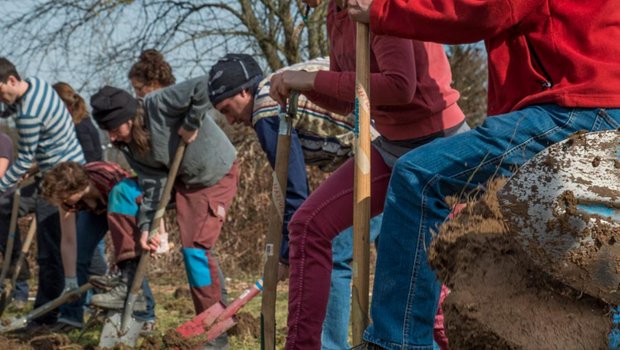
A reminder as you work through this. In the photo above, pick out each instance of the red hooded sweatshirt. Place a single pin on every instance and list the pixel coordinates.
(565, 52)
(410, 93)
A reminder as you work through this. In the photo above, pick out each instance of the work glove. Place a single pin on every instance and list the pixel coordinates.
(71, 284)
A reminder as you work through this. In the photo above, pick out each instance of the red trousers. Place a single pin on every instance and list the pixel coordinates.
(327, 212)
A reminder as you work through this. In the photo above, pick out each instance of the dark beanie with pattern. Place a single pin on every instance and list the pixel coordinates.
(232, 74)
(113, 107)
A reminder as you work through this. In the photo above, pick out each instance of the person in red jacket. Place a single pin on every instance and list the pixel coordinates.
(554, 69)
(412, 104)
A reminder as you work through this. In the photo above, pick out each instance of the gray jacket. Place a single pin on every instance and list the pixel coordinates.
(206, 160)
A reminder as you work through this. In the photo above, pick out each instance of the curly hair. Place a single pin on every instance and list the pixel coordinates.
(74, 102)
(152, 68)
(64, 179)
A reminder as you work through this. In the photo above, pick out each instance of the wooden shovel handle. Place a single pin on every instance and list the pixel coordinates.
(361, 198)
(159, 214)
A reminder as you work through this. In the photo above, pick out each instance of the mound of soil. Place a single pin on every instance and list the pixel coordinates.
(247, 326)
(498, 299)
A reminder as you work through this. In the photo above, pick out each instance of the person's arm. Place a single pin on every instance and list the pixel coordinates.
(393, 84)
(297, 187)
(6, 153)
(188, 100)
(442, 21)
(68, 242)
(4, 165)
(28, 129)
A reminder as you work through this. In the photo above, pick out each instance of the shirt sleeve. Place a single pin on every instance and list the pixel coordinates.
(297, 185)
(448, 21)
(188, 100)
(28, 129)
(393, 84)
(6, 147)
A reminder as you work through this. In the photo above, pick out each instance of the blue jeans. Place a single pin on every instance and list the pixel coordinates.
(406, 289)
(336, 325)
(91, 229)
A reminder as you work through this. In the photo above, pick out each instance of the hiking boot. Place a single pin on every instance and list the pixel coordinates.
(219, 343)
(105, 282)
(115, 299)
(367, 346)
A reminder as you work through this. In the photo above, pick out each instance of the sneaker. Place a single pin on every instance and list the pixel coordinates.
(148, 328)
(367, 346)
(115, 299)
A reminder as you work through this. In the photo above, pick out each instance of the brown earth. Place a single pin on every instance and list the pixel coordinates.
(498, 299)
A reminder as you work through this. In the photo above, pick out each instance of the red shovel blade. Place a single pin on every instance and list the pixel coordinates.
(219, 314)
(197, 325)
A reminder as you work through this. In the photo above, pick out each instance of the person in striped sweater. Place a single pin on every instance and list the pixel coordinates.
(47, 137)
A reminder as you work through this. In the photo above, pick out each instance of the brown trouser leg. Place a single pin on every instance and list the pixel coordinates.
(200, 214)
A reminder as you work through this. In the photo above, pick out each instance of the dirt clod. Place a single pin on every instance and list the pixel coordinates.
(499, 299)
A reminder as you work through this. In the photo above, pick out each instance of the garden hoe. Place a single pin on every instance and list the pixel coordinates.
(273, 240)
(218, 318)
(7, 292)
(20, 322)
(564, 207)
(123, 328)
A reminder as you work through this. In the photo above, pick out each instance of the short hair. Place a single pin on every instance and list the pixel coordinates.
(64, 179)
(7, 69)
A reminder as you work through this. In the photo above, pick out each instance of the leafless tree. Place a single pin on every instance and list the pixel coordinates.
(99, 39)
(469, 75)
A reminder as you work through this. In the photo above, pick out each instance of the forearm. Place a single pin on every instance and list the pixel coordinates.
(68, 243)
(4, 166)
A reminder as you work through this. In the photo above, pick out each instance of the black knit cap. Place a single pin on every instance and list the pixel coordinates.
(113, 107)
(232, 74)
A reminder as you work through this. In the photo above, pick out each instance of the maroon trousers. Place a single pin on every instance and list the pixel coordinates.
(201, 212)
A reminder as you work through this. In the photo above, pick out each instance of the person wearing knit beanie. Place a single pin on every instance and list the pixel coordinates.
(232, 74)
(148, 132)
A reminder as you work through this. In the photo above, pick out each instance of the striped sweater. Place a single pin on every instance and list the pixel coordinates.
(46, 132)
(326, 138)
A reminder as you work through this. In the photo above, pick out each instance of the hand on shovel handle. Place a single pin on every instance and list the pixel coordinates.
(151, 244)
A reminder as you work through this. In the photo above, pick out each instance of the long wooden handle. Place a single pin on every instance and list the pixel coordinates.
(61, 300)
(159, 215)
(8, 252)
(273, 240)
(361, 198)
(22, 254)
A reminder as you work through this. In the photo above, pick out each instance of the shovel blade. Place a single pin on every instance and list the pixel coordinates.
(13, 324)
(562, 206)
(113, 334)
(200, 322)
